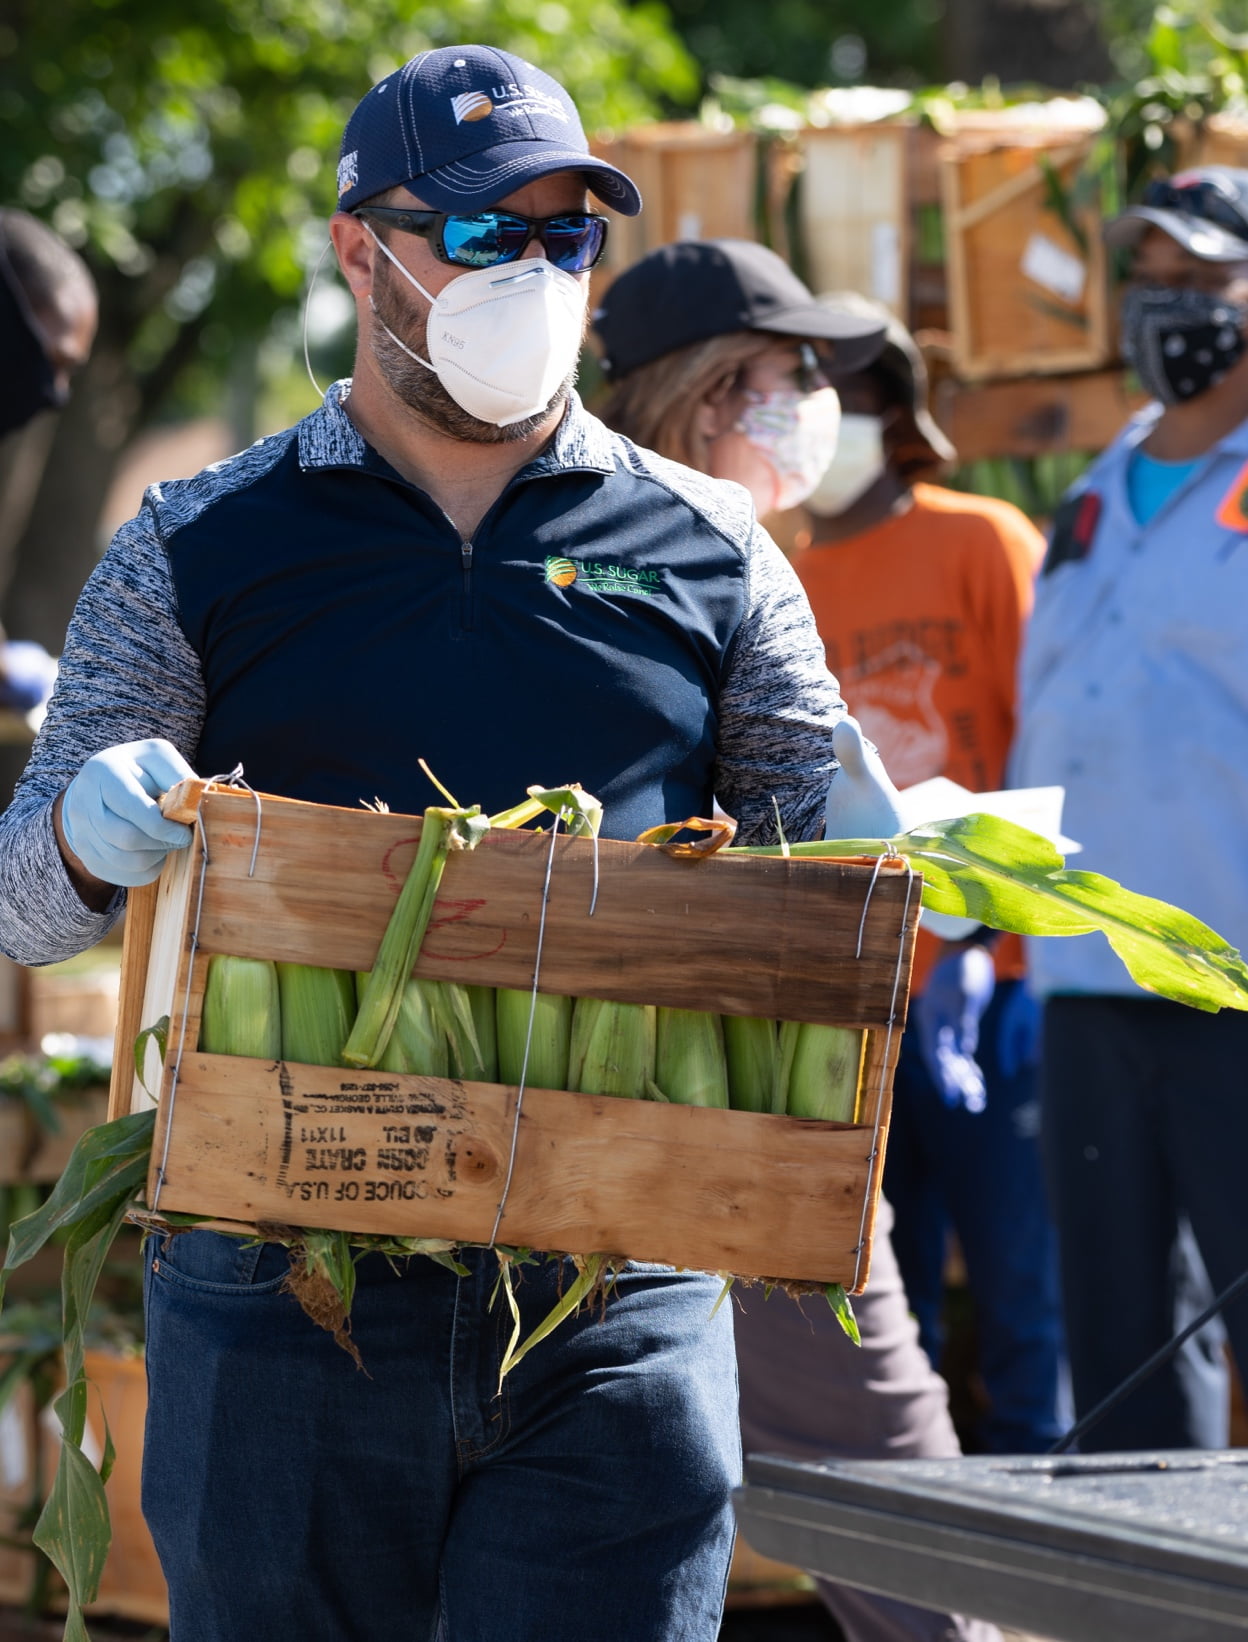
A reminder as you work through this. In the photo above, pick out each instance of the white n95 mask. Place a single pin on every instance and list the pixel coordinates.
(501, 340)
(857, 464)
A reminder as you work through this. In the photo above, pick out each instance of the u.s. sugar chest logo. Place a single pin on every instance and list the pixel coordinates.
(602, 578)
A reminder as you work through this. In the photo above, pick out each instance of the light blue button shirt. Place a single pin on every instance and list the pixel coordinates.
(1134, 697)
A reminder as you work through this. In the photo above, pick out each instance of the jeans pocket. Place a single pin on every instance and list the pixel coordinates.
(211, 1263)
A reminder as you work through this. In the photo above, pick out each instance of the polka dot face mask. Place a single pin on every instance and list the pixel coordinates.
(1180, 343)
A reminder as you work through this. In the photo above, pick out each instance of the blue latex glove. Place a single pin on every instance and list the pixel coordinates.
(27, 674)
(1018, 1031)
(947, 1014)
(862, 801)
(110, 816)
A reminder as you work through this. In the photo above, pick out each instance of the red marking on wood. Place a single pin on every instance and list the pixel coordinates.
(461, 913)
(387, 871)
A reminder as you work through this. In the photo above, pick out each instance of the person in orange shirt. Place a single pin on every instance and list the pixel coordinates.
(921, 594)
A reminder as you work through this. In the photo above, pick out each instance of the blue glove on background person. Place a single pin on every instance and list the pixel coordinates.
(110, 817)
(862, 801)
(1018, 1031)
(27, 674)
(947, 1014)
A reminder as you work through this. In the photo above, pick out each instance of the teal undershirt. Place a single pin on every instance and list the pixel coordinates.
(1151, 484)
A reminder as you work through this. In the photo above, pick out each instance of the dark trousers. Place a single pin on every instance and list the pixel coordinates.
(1145, 1134)
(981, 1172)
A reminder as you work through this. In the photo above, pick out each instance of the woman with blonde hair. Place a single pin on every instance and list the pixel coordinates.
(718, 357)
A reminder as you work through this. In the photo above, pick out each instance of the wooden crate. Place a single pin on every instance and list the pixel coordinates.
(1034, 415)
(132, 1585)
(28, 1152)
(696, 183)
(855, 210)
(1024, 295)
(248, 1141)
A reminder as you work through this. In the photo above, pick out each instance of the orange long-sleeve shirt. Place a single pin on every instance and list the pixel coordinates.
(922, 619)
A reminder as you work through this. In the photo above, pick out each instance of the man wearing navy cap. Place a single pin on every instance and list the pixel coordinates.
(1135, 699)
(412, 535)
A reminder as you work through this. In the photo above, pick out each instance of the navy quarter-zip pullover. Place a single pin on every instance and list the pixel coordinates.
(303, 610)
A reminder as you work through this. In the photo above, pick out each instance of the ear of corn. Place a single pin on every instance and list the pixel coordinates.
(470, 1031)
(481, 1005)
(548, 1050)
(418, 1043)
(751, 1048)
(441, 831)
(822, 1067)
(242, 1009)
(318, 1010)
(613, 1049)
(690, 1065)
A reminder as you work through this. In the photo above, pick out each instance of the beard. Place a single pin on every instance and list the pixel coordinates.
(418, 386)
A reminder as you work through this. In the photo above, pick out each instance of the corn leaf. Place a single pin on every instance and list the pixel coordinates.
(105, 1172)
(107, 1167)
(577, 1290)
(843, 1311)
(984, 867)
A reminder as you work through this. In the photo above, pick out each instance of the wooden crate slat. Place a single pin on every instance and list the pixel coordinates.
(995, 206)
(779, 936)
(1034, 415)
(733, 1191)
(855, 211)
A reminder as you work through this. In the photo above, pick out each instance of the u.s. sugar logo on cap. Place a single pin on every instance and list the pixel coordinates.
(471, 105)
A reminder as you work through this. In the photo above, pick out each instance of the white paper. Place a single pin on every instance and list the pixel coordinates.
(1046, 263)
(1037, 808)
(14, 1454)
(886, 264)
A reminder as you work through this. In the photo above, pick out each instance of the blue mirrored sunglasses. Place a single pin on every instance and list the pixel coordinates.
(573, 241)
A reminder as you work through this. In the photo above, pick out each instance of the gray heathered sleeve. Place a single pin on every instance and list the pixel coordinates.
(778, 705)
(127, 673)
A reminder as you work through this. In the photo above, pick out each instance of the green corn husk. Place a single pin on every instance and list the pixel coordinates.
(751, 1048)
(820, 1069)
(442, 830)
(459, 1022)
(613, 1049)
(552, 1029)
(242, 1012)
(318, 1011)
(484, 1067)
(418, 1044)
(690, 1065)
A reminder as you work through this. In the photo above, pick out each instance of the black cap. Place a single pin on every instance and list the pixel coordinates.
(463, 127)
(697, 289)
(901, 362)
(1205, 210)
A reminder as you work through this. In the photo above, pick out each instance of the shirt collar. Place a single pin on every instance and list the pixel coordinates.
(328, 438)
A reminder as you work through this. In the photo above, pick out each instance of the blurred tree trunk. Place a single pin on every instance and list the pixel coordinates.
(1045, 42)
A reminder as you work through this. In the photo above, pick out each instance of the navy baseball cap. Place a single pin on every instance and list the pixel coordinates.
(693, 290)
(464, 126)
(1205, 210)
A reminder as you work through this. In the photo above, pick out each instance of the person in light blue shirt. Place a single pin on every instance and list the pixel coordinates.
(1135, 699)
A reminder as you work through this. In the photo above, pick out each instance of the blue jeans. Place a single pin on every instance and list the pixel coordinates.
(295, 1498)
(982, 1172)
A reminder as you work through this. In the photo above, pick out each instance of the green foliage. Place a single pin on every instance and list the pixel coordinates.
(1003, 875)
(89, 1204)
(190, 149)
(813, 44)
